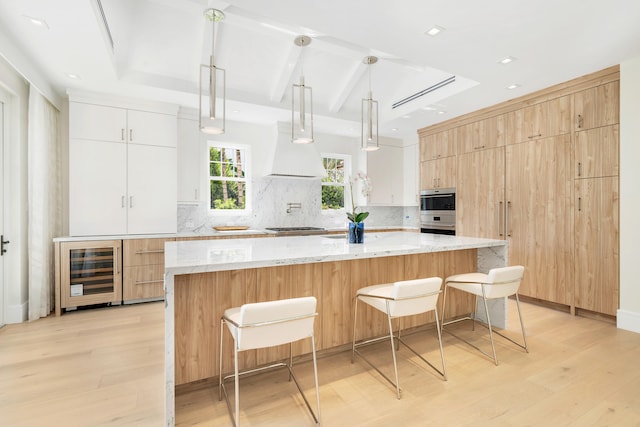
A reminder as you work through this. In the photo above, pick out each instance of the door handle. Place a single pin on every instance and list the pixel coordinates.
(130, 201)
(500, 218)
(506, 219)
(2, 243)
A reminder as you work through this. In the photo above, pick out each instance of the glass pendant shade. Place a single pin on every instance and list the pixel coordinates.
(369, 122)
(301, 105)
(212, 87)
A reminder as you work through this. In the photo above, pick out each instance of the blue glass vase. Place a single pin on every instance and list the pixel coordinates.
(356, 232)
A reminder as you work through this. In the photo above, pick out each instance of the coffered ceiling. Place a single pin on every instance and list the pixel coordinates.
(152, 49)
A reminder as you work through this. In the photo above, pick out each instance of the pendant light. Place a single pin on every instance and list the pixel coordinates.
(369, 127)
(213, 84)
(301, 104)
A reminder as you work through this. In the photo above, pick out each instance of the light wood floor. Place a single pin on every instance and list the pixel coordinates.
(105, 367)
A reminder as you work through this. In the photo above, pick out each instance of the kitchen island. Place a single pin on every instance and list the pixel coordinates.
(203, 278)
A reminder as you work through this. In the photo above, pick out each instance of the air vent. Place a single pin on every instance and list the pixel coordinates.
(424, 92)
(105, 23)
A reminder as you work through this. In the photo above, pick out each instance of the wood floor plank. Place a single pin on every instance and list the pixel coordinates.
(105, 367)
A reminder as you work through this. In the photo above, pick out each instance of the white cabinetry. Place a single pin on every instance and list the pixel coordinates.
(385, 171)
(122, 170)
(191, 156)
(410, 168)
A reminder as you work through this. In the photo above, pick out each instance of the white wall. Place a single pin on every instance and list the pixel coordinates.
(629, 312)
(15, 203)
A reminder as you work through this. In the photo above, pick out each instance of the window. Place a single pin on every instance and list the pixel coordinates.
(228, 177)
(333, 186)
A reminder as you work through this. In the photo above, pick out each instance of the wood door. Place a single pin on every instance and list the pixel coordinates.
(428, 174)
(596, 243)
(151, 189)
(97, 188)
(480, 194)
(438, 145)
(560, 115)
(597, 106)
(539, 216)
(597, 152)
(439, 173)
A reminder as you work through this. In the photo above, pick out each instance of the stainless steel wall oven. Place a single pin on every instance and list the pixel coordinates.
(438, 211)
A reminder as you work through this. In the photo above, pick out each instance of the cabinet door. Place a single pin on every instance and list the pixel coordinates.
(191, 156)
(480, 194)
(152, 189)
(597, 152)
(143, 282)
(538, 217)
(483, 134)
(532, 122)
(410, 167)
(438, 145)
(384, 168)
(97, 122)
(560, 116)
(597, 252)
(91, 273)
(598, 106)
(152, 128)
(97, 188)
(428, 174)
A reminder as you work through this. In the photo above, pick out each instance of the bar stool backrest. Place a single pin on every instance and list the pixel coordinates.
(271, 323)
(503, 281)
(414, 296)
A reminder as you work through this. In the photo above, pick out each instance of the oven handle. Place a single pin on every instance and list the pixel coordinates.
(435, 195)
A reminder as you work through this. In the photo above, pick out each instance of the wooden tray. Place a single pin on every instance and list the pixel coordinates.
(231, 227)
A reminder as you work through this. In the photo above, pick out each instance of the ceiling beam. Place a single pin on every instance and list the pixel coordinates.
(347, 87)
(286, 72)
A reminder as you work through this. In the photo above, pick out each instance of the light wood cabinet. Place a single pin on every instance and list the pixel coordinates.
(438, 145)
(596, 243)
(544, 119)
(143, 261)
(597, 152)
(597, 106)
(484, 134)
(88, 273)
(538, 216)
(122, 171)
(560, 116)
(480, 194)
(439, 173)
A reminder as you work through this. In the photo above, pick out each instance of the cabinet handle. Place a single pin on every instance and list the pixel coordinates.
(579, 121)
(500, 218)
(145, 282)
(434, 183)
(130, 134)
(579, 169)
(506, 219)
(115, 260)
(579, 204)
(480, 147)
(122, 134)
(534, 136)
(196, 192)
(122, 201)
(130, 201)
(153, 251)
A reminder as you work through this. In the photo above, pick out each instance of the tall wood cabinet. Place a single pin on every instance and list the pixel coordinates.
(542, 172)
(122, 170)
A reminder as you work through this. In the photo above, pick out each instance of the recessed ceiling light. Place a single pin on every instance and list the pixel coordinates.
(441, 112)
(235, 111)
(434, 31)
(406, 117)
(507, 60)
(73, 76)
(429, 108)
(513, 86)
(394, 129)
(36, 21)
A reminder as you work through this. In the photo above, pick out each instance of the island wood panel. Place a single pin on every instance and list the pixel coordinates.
(200, 300)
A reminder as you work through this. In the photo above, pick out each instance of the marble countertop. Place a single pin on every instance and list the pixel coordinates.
(199, 256)
(204, 232)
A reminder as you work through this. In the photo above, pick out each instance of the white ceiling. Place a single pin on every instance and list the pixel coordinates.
(159, 44)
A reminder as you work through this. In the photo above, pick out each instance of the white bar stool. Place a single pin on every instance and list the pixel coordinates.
(268, 324)
(396, 300)
(498, 283)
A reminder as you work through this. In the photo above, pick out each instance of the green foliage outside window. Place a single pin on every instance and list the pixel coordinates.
(227, 178)
(333, 184)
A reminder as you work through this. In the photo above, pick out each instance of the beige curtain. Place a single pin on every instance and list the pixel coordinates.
(44, 201)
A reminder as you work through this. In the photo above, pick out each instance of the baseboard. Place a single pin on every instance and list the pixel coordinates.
(16, 313)
(629, 320)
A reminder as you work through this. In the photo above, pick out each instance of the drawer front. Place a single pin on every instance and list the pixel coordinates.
(144, 251)
(142, 282)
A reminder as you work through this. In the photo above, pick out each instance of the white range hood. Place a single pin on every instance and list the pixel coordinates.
(295, 160)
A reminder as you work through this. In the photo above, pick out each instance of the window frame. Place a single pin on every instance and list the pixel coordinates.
(347, 177)
(246, 180)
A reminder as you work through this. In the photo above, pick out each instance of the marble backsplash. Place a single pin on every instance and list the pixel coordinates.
(275, 203)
